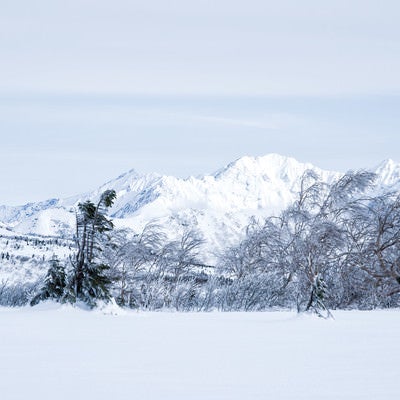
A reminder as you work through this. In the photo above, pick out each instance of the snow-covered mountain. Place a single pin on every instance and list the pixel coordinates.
(218, 205)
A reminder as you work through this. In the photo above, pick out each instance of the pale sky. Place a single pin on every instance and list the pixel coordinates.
(92, 88)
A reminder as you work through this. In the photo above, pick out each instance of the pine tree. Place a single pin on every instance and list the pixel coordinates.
(54, 283)
(89, 281)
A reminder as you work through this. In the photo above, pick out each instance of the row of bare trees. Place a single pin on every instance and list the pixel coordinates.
(336, 246)
(151, 271)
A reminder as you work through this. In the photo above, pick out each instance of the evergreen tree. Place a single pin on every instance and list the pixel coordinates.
(54, 283)
(89, 281)
(87, 278)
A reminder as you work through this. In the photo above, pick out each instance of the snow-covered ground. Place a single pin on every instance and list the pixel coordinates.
(64, 353)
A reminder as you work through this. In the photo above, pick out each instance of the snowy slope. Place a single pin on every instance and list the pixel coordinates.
(218, 205)
(24, 258)
(248, 186)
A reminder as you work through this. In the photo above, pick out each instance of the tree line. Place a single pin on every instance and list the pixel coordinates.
(337, 246)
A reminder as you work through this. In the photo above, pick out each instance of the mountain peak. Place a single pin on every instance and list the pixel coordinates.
(272, 165)
(387, 163)
(388, 172)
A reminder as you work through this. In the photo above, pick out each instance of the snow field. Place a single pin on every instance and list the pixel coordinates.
(53, 352)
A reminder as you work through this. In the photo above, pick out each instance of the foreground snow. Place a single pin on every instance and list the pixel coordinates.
(63, 353)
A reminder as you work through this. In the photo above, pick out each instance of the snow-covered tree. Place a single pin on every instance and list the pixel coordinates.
(374, 237)
(54, 283)
(88, 281)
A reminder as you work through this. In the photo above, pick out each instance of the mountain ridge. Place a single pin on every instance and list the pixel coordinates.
(218, 205)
